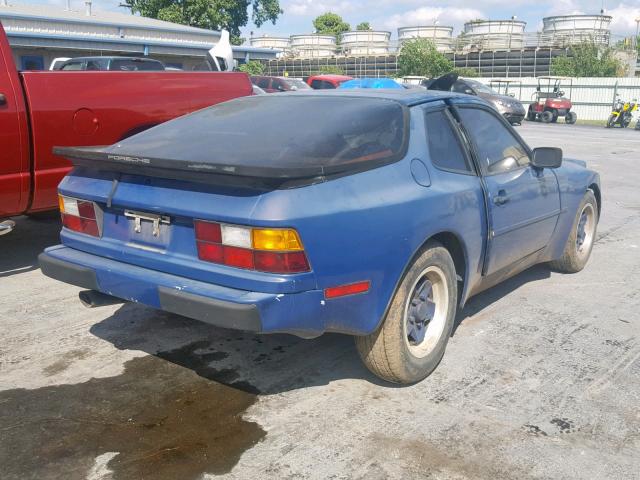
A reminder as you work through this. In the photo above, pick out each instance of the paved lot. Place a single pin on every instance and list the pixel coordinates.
(541, 379)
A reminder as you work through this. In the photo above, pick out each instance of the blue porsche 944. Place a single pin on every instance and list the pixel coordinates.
(371, 213)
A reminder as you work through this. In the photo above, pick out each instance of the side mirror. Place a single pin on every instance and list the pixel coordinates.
(468, 91)
(547, 157)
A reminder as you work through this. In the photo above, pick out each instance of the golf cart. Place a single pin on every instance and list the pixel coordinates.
(549, 102)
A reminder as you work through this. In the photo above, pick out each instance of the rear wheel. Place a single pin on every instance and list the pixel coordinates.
(546, 116)
(412, 339)
(580, 242)
(571, 118)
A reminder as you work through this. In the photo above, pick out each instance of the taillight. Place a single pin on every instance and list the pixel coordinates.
(79, 215)
(272, 250)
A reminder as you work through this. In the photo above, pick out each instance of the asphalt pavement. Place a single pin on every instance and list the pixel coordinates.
(541, 379)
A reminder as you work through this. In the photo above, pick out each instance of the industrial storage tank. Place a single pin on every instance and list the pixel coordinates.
(313, 45)
(365, 42)
(494, 34)
(441, 36)
(267, 41)
(568, 29)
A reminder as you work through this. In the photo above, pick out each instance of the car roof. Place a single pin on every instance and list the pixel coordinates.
(113, 57)
(408, 97)
(329, 76)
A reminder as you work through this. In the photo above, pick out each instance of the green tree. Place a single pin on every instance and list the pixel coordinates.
(252, 67)
(587, 59)
(419, 56)
(211, 14)
(329, 70)
(466, 71)
(331, 24)
(363, 26)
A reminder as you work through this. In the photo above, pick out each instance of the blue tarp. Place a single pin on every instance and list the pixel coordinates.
(371, 83)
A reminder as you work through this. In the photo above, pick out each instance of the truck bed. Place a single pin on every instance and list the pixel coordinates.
(101, 108)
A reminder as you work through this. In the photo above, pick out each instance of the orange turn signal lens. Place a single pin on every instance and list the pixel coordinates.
(61, 203)
(280, 239)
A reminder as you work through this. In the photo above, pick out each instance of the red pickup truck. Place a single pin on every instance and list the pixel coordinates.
(40, 110)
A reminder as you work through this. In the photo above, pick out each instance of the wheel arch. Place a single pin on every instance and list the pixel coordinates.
(454, 244)
(595, 188)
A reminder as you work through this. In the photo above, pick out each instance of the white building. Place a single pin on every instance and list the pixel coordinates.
(39, 33)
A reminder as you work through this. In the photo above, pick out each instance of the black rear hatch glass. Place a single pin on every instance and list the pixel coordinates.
(270, 136)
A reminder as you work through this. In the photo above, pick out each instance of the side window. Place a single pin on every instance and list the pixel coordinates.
(498, 150)
(263, 82)
(72, 66)
(93, 65)
(461, 87)
(444, 148)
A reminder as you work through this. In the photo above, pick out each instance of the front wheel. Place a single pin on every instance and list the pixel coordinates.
(412, 339)
(580, 242)
(611, 121)
(571, 118)
(546, 116)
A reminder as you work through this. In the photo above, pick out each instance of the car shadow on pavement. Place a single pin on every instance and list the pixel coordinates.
(484, 299)
(20, 248)
(259, 364)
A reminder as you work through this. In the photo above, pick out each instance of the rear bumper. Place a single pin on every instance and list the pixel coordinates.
(298, 313)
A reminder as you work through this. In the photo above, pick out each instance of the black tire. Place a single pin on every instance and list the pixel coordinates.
(546, 116)
(570, 118)
(388, 352)
(611, 121)
(554, 119)
(576, 254)
(531, 115)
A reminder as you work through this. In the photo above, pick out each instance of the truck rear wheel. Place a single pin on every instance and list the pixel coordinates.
(412, 339)
(583, 234)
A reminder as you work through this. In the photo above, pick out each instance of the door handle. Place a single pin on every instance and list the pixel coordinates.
(501, 198)
(3, 99)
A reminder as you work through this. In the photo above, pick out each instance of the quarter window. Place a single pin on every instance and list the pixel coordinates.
(498, 150)
(444, 148)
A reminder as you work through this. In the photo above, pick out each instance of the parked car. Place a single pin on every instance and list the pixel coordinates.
(327, 82)
(379, 222)
(511, 108)
(57, 62)
(278, 84)
(133, 64)
(94, 108)
(370, 83)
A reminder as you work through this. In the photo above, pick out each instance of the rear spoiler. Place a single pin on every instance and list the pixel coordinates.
(97, 158)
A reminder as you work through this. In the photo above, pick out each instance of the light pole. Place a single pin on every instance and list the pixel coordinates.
(635, 41)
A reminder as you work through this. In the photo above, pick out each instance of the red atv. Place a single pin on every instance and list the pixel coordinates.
(549, 103)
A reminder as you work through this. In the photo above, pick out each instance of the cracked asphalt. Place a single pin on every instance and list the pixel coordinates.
(541, 379)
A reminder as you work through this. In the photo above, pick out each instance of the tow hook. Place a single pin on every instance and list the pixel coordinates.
(6, 226)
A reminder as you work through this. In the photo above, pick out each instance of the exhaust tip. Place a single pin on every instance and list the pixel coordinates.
(92, 299)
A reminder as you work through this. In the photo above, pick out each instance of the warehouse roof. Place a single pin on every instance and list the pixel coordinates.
(97, 17)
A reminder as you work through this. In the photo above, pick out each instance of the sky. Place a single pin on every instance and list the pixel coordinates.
(391, 14)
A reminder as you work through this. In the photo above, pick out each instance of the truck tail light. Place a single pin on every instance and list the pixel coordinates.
(79, 215)
(271, 250)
